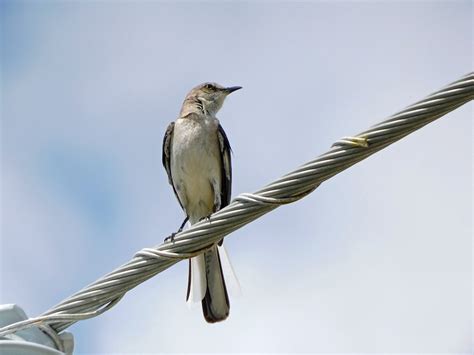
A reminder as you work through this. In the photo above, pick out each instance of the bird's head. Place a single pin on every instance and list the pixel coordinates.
(209, 96)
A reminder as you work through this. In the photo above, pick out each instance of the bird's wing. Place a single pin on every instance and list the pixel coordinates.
(226, 167)
(166, 157)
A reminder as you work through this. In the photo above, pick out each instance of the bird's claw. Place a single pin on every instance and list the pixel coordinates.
(170, 238)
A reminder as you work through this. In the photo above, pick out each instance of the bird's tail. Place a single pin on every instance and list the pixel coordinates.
(206, 281)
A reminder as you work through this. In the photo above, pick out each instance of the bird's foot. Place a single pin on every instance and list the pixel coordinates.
(170, 238)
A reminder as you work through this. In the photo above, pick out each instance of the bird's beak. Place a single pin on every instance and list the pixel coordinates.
(232, 89)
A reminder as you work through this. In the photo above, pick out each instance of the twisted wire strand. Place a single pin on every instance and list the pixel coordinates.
(103, 294)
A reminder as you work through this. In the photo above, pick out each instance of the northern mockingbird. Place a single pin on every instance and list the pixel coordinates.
(196, 156)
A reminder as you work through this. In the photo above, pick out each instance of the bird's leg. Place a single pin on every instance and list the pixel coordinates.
(170, 238)
(183, 224)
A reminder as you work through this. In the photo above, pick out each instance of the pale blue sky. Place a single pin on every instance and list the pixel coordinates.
(378, 259)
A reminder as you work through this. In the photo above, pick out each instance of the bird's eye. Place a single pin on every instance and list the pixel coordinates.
(209, 86)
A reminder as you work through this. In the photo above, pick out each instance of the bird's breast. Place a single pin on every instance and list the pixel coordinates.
(195, 143)
(195, 165)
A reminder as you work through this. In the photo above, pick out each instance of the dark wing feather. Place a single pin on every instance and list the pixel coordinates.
(226, 166)
(166, 157)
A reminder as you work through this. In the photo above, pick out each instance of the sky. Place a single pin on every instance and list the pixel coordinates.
(378, 259)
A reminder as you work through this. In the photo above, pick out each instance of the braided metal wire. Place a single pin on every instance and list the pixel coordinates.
(108, 290)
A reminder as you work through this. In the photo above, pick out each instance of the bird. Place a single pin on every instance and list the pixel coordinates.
(197, 159)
